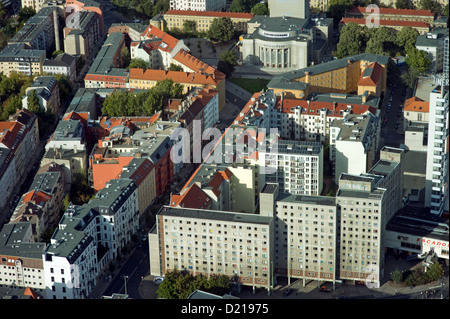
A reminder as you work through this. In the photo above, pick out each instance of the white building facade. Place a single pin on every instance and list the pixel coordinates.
(437, 168)
(198, 5)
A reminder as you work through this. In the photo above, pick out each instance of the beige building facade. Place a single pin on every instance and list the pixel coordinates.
(211, 242)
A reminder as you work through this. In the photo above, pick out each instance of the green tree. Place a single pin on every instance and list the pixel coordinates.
(160, 6)
(380, 41)
(418, 60)
(221, 29)
(25, 13)
(337, 8)
(445, 11)
(56, 53)
(409, 77)
(260, 9)
(125, 56)
(237, 6)
(174, 67)
(431, 5)
(180, 284)
(350, 40)
(227, 62)
(406, 38)
(137, 63)
(65, 86)
(435, 272)
(33, 102)
(404, 4)
(397, 277)
(189, 26)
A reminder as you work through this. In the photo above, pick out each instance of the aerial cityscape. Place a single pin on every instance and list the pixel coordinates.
(224, 149)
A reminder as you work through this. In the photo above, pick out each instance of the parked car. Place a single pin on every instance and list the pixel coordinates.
(397, 125)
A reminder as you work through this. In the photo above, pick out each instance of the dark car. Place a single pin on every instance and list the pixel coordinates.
(287, 292)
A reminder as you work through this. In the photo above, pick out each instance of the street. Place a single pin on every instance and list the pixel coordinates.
(392, 113)
(130, 275)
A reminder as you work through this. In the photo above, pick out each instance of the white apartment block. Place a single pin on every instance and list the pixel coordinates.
(71, 262)
(437, 168)
(299, 166)
(306, 236)
(354, 144)
(210, 242)
(362, 222)
(198, 5)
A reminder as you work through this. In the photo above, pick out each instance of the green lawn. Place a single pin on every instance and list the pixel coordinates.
(251, 85)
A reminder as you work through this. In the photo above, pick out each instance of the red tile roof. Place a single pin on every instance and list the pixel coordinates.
(242, 15)
(374, 77)
(152, 32)
(411, 12)
(197, 65)
(176, 76)
(194, 197)
(416, 104)
(387, 23)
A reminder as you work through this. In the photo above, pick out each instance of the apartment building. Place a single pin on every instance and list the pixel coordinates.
(146, 79)
(18, 139)
(202, 5)
(337, 76)
(47, 91)
(299, 169)
(142, 172)
(21, 263)
(311, 119)
(415, 113)
(437, 169)
(73, 259)
(81, 38)
(133, 30)
(354, 143)
(212, 242)
(38, 32)
(390, 174)
(306, 234)
(156, 47)
(396, 15)
(421, 26)
(71, 160)
(74, 6)
(64, 64)
(20, 58)
(175, 19)
(69, 134)
(41, 204)
(433, 43)
(106, 71)
(221, 187)
(362, 223)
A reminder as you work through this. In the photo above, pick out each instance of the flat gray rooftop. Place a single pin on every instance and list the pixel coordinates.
(215, 215)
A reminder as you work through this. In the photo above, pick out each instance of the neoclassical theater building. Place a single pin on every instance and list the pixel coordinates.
(287, 39)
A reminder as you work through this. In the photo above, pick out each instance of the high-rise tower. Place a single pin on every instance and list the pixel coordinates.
(289, 8)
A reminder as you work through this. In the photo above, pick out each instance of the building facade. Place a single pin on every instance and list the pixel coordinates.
(437, 169)
(20, 58)
(202, 5)
(209, 242)
(354, 144)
